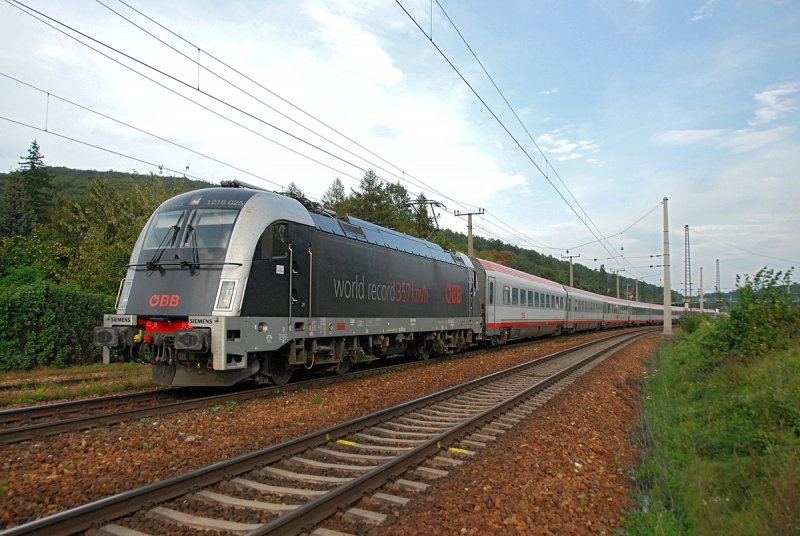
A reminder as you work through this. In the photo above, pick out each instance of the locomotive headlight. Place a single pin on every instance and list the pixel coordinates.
(226, 294)
(124, 292)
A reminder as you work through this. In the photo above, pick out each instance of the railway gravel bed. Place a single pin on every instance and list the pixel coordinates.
(57, 473)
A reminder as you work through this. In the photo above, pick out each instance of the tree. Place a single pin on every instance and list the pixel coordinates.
(37, 181)
(17, 214)
(26, 197)
(294, 191)
(334, 197)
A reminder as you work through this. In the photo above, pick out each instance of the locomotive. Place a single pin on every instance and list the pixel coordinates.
(229, 284)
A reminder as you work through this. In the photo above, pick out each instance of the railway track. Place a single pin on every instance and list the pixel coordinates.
(35, 422)
(294, 486)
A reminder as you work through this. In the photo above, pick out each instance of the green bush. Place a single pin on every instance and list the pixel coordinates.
(45, 324)
(690, 323)
(762, 320)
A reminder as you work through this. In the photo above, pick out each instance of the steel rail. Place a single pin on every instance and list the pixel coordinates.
(304, 517)
(104, 510)
(71, 406)
(84, 422)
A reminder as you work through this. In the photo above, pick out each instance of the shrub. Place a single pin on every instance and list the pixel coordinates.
(690, 323)
(762, 320)
(45, 324)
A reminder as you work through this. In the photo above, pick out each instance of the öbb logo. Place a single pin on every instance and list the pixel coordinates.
(164, 300)
(452, 294)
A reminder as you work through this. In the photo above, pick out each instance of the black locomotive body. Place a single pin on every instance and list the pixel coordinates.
(227, 284)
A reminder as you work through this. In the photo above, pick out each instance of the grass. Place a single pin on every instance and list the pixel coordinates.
(721, 441)
(228, 405)
(50, 383)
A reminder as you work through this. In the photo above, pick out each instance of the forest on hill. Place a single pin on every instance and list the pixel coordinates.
(78, 226)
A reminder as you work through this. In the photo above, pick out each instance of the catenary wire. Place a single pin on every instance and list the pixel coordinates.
(92, 145)
(405, 176)
(178, 81)
(502, 125)
(105, 116)
(178, 94)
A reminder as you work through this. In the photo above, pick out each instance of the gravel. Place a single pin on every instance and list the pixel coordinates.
(565, 471)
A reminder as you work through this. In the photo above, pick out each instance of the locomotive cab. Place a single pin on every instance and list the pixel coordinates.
(179, 304)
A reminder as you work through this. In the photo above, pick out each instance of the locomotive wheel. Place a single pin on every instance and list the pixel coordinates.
(344, 365)
(278, 369)
(423, 352)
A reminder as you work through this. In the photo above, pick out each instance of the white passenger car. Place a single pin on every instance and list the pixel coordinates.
(521, 305)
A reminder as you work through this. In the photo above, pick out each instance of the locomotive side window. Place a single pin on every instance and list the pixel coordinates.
(163, 230)
(280, 242)
(273, 243)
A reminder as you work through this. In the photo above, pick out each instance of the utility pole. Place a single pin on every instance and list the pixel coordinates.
(469, 227)
(637, 290)
(570, 257)
(617, 272)
(667, 282)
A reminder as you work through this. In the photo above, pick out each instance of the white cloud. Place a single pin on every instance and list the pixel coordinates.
(741, 141)
(549, 91)
(775, 102)
(705, 11)
(738, 141)
(565, 149)
(59, 54)
(687, 136)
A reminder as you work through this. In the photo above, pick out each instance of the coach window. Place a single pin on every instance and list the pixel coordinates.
(522, 295)
(506, 295)
(515, 296)
(491, 292)
(530, 298)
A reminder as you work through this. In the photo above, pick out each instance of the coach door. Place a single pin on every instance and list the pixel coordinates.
(300, 274)
(490, 305)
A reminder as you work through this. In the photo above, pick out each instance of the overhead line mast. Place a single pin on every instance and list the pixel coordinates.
(687, 274)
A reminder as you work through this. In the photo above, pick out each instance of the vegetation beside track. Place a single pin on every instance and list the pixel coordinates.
(720, 429)
(46, 384)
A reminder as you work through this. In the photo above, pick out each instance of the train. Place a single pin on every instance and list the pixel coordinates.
(231, 284)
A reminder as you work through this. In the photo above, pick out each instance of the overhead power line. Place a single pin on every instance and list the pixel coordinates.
(405, 175)
(502, 125)
(160, 138)
(33, 13)
(111, 151)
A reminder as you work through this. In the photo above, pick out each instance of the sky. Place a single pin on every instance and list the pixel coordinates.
(565, 123)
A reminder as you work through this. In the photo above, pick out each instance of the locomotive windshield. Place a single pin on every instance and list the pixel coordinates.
(200, 228)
